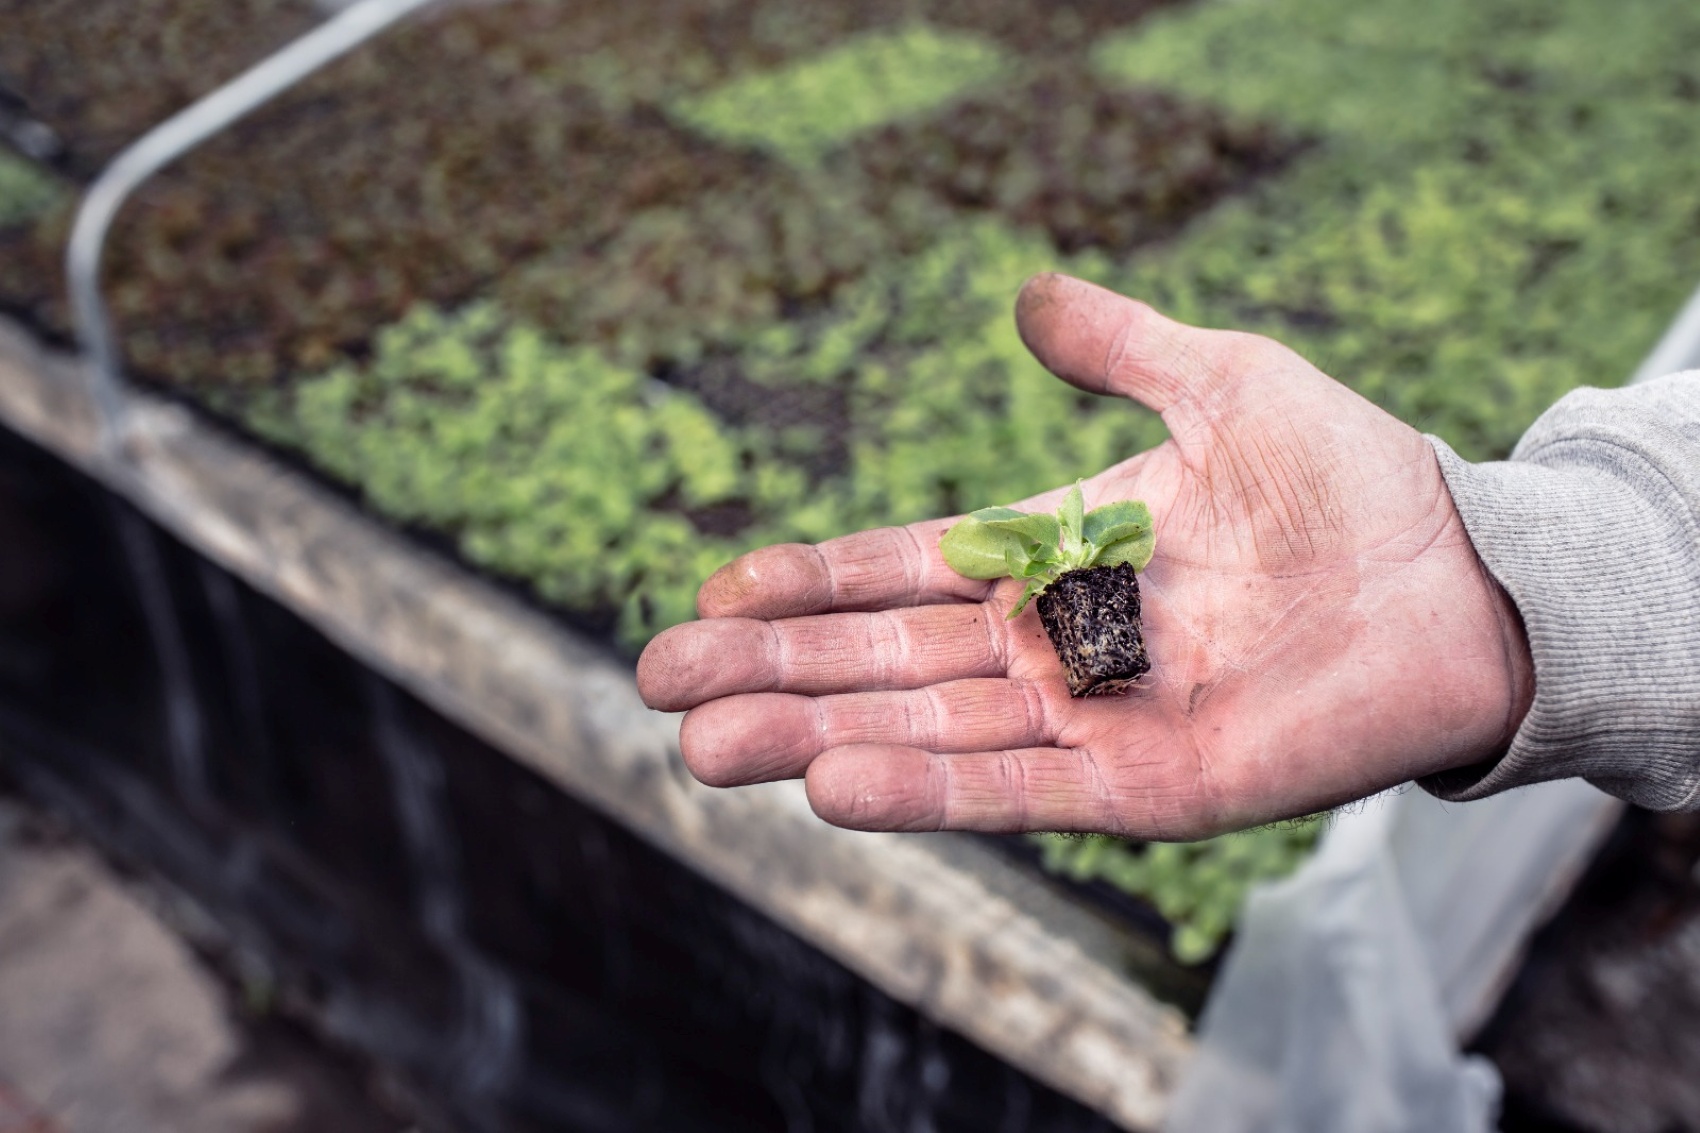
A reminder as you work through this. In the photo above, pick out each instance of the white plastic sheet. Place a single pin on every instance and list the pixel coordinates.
(1340, 1007)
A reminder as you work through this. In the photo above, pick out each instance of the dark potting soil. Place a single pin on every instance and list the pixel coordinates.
(289, 240)
(1600, 1033)
(1092, 617)
(514, 176)
(99, 73)
(729, 390)
(1090, 164)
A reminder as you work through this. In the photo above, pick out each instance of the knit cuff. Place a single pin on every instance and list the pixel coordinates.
(1598, 545)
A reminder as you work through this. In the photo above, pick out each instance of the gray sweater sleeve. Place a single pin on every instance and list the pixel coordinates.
(1593, 528)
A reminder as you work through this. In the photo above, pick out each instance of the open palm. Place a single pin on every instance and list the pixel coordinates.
(1318, 623)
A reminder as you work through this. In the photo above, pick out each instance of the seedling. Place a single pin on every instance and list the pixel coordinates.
(1082, 566)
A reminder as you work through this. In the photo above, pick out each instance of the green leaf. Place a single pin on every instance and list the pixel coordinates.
(1194, 944)
(1135, 552)
(1124, 519)
(1070, 514)
(1034, 589)
(1030, 563)
(979, 550)
(999, 542)
(1040, 529)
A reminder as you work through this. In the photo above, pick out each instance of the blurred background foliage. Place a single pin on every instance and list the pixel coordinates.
(26, 191)
(1196, 886)
(608, 292)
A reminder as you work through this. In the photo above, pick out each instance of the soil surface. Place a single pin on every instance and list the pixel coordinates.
(286, 242)
(1092, 617)
(109, 1022)
(405, 224)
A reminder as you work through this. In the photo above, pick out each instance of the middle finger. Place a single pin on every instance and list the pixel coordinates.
(826, 653)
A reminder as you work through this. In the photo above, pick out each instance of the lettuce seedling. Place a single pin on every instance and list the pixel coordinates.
(1000, 542)
(1082, 566)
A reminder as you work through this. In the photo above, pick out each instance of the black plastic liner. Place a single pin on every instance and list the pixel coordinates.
(524, 962)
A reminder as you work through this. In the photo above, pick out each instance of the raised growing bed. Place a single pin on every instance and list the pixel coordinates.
(403, 839)
(627, 288)
(741, 325)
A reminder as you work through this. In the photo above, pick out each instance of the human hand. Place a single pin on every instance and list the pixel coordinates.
(1319, 626)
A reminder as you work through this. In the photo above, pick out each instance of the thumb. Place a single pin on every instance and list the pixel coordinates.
(1107, 343)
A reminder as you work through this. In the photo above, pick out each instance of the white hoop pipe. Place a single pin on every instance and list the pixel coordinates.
(165, 143)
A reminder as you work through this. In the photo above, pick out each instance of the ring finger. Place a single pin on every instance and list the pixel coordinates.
(759, 737)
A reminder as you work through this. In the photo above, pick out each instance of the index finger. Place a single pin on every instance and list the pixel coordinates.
(882, 569)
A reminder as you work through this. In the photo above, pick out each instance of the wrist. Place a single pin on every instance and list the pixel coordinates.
(1518, 660)
(1589, 540)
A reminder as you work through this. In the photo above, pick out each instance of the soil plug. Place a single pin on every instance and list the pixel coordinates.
(1083, 568)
